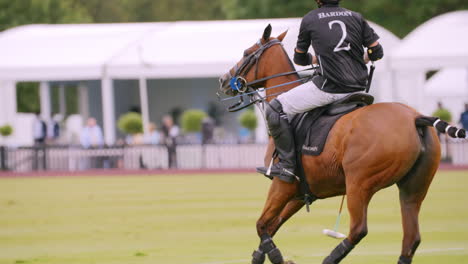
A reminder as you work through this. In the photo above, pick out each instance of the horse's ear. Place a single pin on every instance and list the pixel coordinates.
(281, 37)
(267, 33)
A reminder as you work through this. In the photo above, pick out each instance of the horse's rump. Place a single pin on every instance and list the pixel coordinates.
(368, 141)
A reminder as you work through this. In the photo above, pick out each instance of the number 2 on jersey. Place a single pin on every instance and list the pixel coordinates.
(343, 37)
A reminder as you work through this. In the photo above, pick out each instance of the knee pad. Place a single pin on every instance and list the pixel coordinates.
(274, 113)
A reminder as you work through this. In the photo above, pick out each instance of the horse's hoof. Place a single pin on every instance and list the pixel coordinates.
(289, 262)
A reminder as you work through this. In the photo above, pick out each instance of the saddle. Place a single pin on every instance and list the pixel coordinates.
(311, 128)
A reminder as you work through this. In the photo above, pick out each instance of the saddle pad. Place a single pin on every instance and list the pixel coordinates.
(312, 129)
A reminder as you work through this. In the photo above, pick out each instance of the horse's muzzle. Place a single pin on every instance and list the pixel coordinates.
(224, 84)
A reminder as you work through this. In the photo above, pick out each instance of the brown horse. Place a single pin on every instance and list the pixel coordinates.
(367, 150)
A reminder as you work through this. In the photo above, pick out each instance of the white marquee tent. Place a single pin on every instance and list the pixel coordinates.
(450, 87)
(437, 44)
(140, 51)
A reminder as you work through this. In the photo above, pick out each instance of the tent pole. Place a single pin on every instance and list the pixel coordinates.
(44, 94)
(8, 101)
(144, 104)
(83, 100)
(108, 110)
(62, 100)
(8, 108)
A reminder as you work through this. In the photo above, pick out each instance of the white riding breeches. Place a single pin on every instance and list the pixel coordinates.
(306, 97)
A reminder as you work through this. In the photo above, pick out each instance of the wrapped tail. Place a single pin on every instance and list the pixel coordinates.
(441, 126)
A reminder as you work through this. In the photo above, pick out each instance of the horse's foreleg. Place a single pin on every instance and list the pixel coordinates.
(358, 201)
(278, 197)
(289, 210)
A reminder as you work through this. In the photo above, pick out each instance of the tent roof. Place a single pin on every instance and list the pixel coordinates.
(193, 49)
(448, 82)
(55, 52)
(184, 49)
(440, 42)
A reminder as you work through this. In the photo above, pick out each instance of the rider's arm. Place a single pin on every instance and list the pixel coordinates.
(374, 52)
(370, 39)
(301, 56)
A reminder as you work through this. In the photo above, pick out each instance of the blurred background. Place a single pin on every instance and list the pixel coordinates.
(132, 84)
(124, 93)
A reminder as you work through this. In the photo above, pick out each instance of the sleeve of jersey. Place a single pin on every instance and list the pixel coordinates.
(303, 40)
(368, 34)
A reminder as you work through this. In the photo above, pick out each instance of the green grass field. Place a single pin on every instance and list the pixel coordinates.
(205, 219)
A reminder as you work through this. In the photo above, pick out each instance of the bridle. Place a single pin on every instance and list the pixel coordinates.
(242, 88)
(238, 82)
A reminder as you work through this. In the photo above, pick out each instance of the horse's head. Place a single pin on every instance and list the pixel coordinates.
(247, 69)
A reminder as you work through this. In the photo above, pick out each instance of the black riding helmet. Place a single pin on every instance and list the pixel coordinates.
(324, 2)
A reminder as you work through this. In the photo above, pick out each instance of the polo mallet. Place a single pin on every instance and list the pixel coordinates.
(334, 233)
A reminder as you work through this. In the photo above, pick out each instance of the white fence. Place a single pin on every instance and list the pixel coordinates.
(455, 151)
(137, 157)
(236, 156)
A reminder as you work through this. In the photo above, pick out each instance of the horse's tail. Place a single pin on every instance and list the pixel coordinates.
(441, 126)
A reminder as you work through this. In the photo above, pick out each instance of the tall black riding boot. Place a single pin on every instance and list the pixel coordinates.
(283, 136)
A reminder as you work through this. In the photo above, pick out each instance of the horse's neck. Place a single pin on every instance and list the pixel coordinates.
(282, 65)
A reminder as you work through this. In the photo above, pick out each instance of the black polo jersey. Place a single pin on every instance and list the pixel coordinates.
(337, 36)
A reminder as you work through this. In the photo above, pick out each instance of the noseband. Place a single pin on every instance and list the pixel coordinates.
(238, 82)
(244, 89)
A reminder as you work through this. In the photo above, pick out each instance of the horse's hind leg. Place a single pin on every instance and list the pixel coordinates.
(413, 189)
(358, 201)
(280, 194)
(410, 206)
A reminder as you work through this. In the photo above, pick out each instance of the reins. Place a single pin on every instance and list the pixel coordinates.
(254, 96)
(239, 84)
(244, 88)
(250, 84)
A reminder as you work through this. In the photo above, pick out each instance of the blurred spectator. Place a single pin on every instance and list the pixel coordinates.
(170, 133)
(208, 126)
(153, 137)
(91, 135)
(445, 115)
(135, 139)
(39, 129)
(244, 135)
(40, 135)
(53, 129)
(464, 117)
(442, 113)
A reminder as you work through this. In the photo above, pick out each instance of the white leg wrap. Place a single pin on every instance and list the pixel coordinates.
(436, 122)
(447, 129)
(456, 133)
